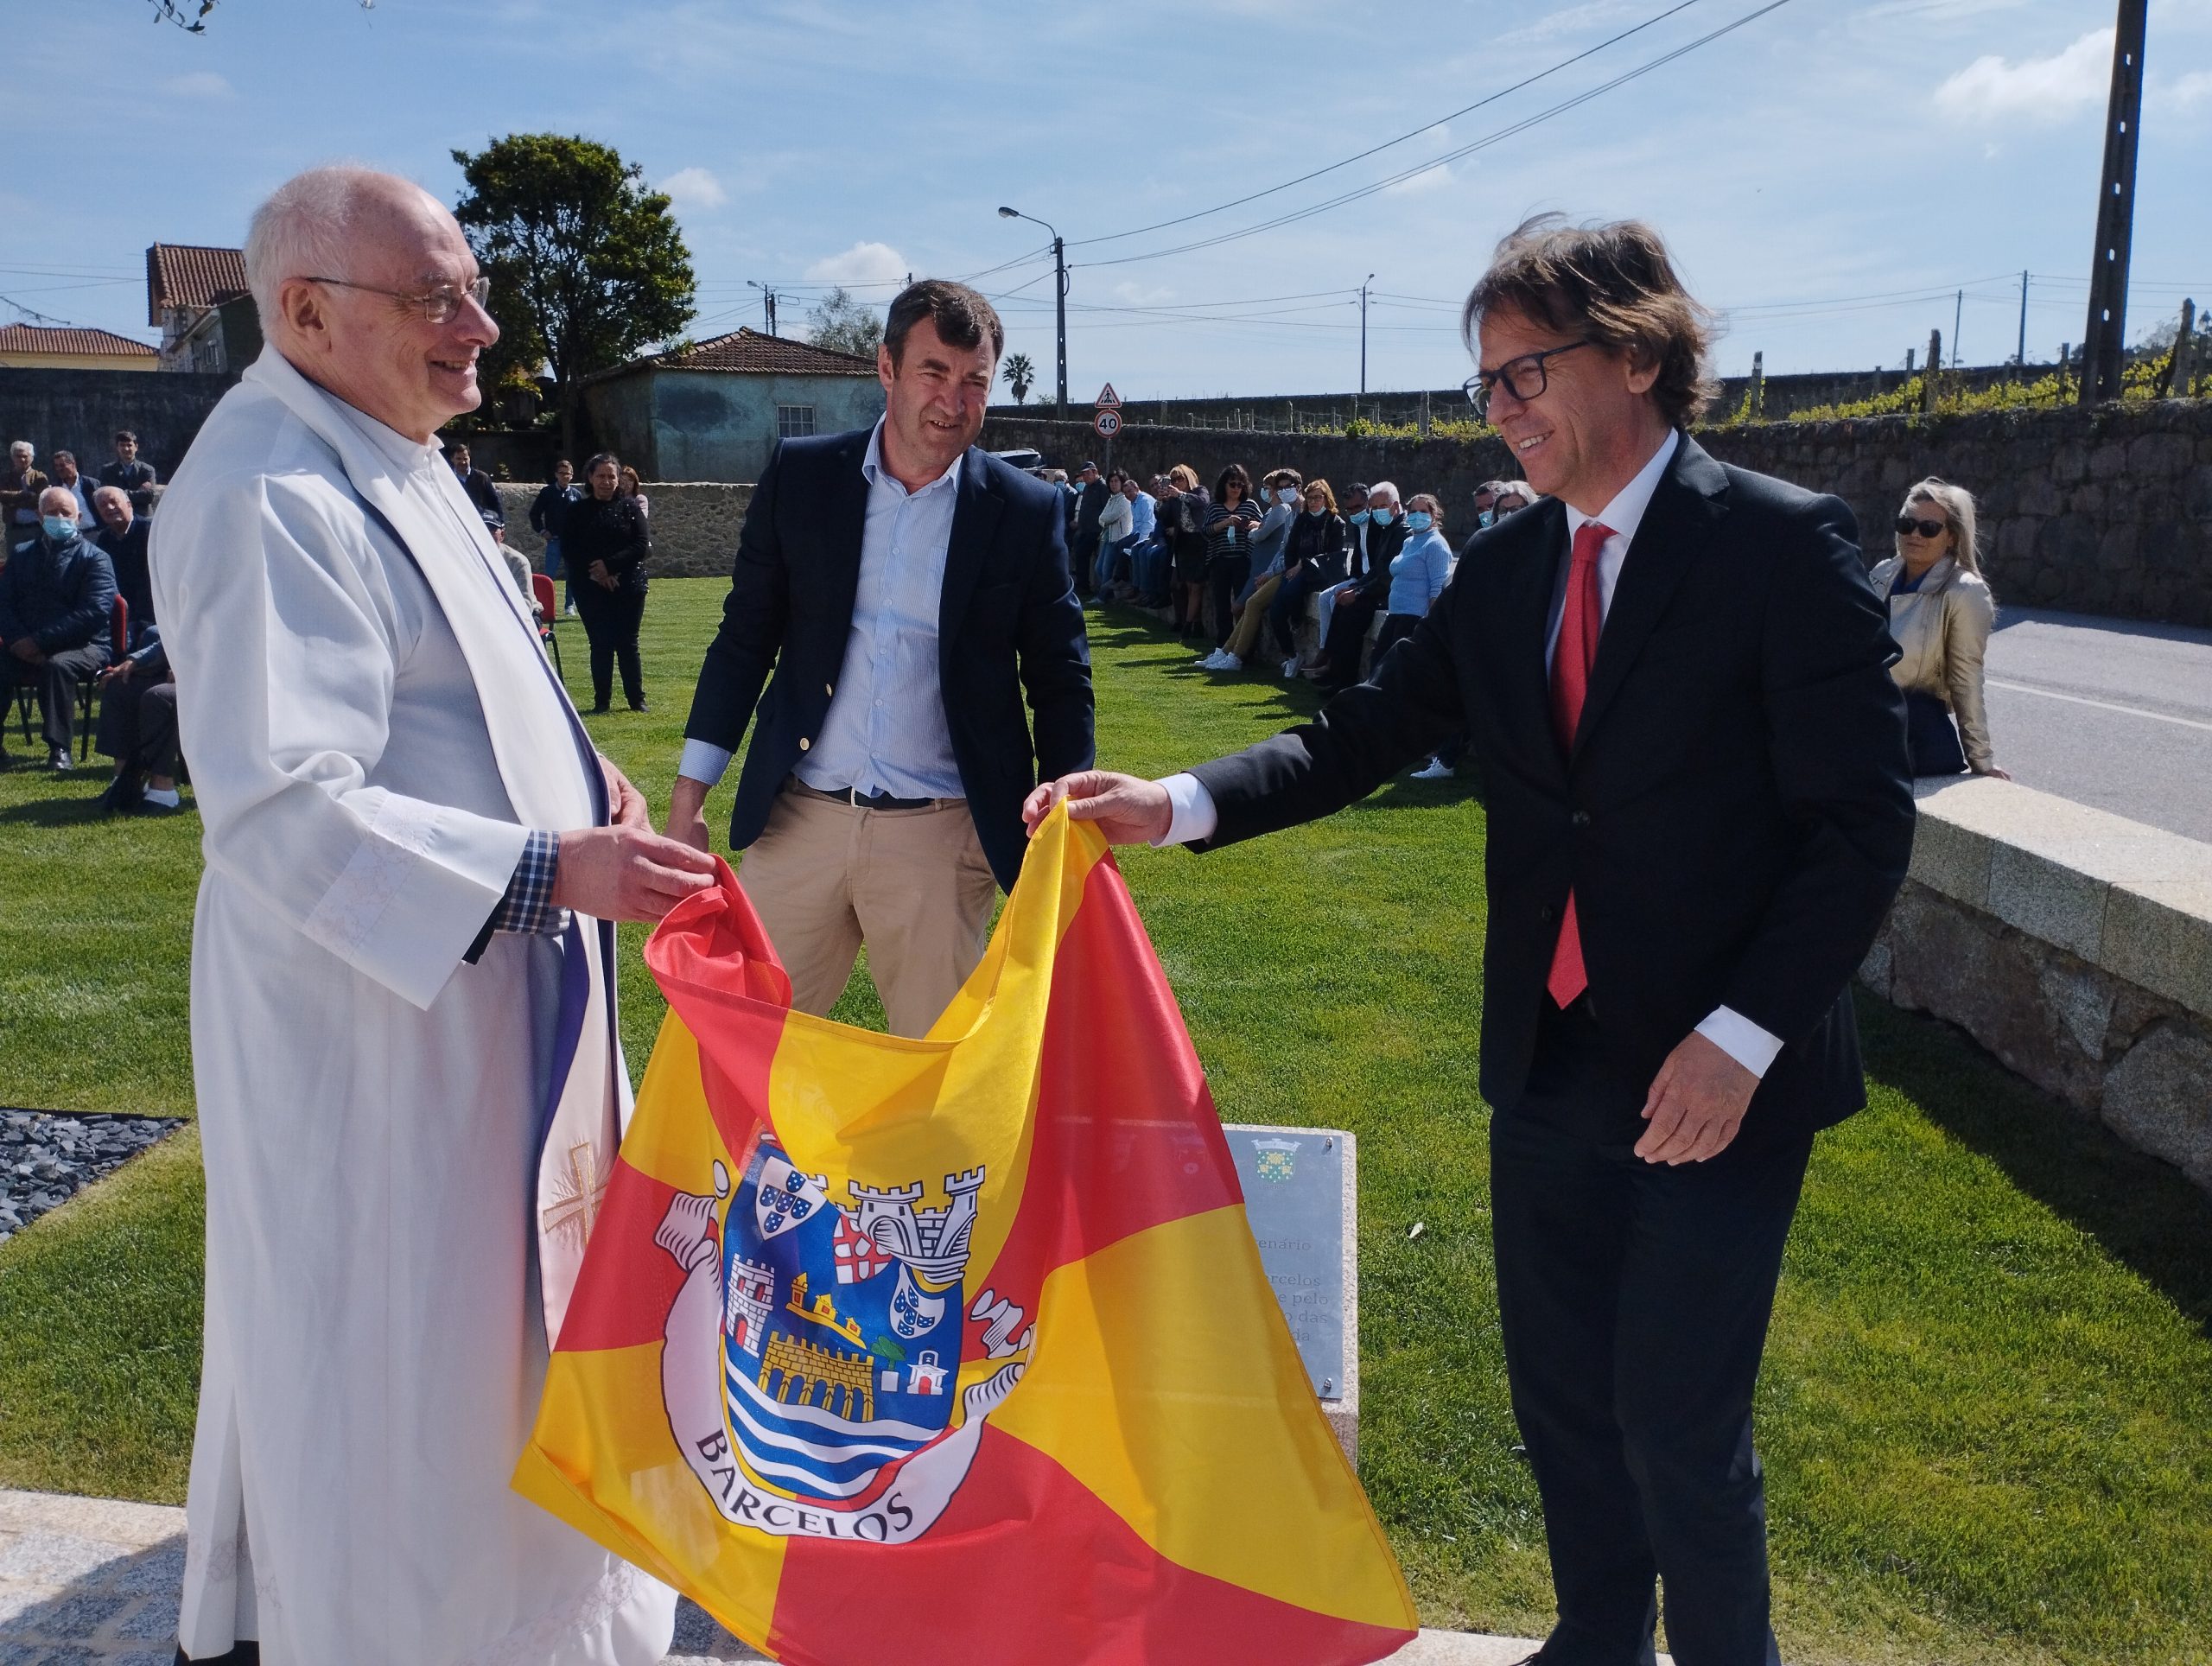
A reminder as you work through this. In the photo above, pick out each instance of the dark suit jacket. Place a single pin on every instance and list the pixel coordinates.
(1009, 622)
(1736, 812)
(1090, 502)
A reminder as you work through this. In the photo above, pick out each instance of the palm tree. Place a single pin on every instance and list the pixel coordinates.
(1020, 376)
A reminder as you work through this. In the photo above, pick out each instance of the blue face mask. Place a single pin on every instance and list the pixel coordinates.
(1419, 520)
(1358, 517)
(59, 527)
(1487, 517)
(1382, 517)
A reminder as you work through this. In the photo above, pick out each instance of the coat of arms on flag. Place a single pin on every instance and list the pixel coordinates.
(964, 1343)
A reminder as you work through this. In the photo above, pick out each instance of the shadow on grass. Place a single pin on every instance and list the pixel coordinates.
(55, 812)
(2143, 1212)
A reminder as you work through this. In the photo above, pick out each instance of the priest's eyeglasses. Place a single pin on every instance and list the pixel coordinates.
(439, 303)
(1525, 377)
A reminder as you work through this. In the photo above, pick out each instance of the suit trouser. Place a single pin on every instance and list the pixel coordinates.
(1346, 640)
(1634, 1299)
(912, 884)
(57, 678)
(138, 725)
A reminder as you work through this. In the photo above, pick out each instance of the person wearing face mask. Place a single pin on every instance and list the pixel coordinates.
(1418, 572)
(56, 593)
(1364, 592)
(1279, 493)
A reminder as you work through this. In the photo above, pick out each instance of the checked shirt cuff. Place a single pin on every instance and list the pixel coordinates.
(528, 907)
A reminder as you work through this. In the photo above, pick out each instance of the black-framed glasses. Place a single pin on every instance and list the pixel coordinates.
(1525, 377)
(1909, 525)
(439, 303)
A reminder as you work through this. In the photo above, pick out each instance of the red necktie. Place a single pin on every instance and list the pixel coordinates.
(1578, 625)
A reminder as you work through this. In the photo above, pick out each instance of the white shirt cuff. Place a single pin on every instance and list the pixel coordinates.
(704, 762)
(1741, 1039)
(1195, 816)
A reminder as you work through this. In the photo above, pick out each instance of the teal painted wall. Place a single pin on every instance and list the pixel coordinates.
(719, 425)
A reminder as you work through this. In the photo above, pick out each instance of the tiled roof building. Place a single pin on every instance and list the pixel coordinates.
(749, 350)
(28, 344)
(187, 286)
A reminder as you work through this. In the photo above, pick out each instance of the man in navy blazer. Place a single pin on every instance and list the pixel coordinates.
(909, 592)
(1675, 677)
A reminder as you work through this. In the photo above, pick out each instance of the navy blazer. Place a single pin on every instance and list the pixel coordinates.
(1008, 624)
(1735, 813)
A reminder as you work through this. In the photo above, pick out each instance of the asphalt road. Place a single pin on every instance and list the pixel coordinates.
(2106, 712)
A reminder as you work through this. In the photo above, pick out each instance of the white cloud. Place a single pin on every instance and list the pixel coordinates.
(1989, 89)
(1131, 294)
(200, 84)
(1429, 179)
(864, 263)
(695, 188)
(2195, 87)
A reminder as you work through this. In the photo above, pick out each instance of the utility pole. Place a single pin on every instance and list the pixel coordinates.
(767, 304)
(1362, 332)
(2104, 344)
(2021, 358)
(1059, 303)
(1958, 314)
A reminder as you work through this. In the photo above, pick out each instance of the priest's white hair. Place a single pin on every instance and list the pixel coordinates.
(305, 227)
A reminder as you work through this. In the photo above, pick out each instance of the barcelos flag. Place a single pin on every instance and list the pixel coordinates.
(955, 1350)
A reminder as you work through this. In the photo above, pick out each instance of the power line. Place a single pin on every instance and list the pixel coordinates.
(1238, 202)
(1450, 156)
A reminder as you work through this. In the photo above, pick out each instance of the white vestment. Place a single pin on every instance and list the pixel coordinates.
(370, 736)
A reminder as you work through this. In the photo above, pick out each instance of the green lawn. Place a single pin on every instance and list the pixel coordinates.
(1987, 1410)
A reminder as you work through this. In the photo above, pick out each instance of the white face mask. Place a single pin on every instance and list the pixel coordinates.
(1285, 494)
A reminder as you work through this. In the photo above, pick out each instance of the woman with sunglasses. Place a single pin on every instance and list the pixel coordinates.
(1941, 613)
(1231, 522)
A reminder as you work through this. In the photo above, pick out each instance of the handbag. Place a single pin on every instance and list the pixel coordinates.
(1931, 739)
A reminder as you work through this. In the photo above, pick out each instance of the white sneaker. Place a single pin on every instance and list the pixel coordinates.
(1435, 770)
(1209, 662)
(1227, 662)
(1290, 666)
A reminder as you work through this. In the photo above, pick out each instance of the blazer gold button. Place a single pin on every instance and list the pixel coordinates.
(804, 743)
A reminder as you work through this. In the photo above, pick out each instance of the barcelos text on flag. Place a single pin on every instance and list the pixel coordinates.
(956, 1349)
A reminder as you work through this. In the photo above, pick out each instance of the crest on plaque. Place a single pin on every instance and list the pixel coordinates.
(1277, 1159)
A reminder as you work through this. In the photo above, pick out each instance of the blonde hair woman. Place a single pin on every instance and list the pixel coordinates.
(1941, 613)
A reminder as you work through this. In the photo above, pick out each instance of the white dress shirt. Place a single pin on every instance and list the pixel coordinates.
(1195, 818)
(886, 731)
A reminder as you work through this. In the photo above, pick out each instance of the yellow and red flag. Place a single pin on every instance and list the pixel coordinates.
(953, 1350)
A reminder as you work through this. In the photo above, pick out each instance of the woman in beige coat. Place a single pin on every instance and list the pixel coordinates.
(1941, 613)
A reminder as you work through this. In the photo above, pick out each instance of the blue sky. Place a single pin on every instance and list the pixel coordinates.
(1828, 174)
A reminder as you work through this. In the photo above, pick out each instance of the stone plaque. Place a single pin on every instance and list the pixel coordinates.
(1299, 1191)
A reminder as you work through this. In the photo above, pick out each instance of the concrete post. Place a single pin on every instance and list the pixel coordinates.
(1935, 363)
(1758, 385)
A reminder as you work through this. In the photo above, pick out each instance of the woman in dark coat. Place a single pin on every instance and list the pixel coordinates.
(603, 542)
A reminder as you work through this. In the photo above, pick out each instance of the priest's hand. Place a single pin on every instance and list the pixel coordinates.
(1128, 809)
(627, 872)
(625, 802)
(1696, 1104)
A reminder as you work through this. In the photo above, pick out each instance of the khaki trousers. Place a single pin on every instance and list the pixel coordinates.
(912, 884)
(1244, 640)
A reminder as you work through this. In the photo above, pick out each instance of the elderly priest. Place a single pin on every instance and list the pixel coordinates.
(402, 982)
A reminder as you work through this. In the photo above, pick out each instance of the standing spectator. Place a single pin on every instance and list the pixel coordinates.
(605, 545)
(1116, 522)
(67, 477)
(19, 494)
(1230, 524)
(1090, 503)
(1279, 493)
(1184, 524)
(1362, 593)
(123, 536)
(56, 593)
(634, 489)
(129, 473)
(549, 513)
(1313, 560)
(482, 492)
(1941, 613)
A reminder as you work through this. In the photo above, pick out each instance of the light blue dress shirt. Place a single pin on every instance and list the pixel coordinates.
(886, 731)
(1144, 515)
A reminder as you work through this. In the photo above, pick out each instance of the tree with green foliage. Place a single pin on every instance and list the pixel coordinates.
(587, 264)
(843, 325)
(1020, 376)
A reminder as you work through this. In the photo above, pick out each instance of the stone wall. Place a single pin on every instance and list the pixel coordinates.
(2106, 511)
(2075, 946)
(693, 524)
(79, 410)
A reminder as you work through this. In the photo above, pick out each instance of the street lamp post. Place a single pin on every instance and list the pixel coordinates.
(1060, 304)
(767, 303)
(1363, 333)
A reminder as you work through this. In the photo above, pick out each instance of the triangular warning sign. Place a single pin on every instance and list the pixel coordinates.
(1107, 398)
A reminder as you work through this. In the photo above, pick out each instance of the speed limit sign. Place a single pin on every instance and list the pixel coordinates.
(1108, 421)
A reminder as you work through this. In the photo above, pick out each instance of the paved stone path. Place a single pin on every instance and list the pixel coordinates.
(94, 1582)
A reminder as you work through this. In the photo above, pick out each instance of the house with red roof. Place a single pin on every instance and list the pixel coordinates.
(197, 298)
(40, 347)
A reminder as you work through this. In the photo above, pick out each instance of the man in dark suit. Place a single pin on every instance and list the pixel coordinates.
(1090, 501)
(909, 590)
(1676, 675)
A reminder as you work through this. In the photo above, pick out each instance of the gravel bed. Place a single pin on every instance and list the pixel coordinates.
(46, 1156)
